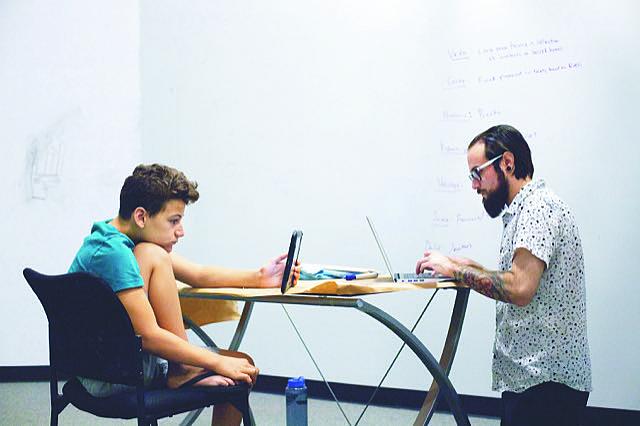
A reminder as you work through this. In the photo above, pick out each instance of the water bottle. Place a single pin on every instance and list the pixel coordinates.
(296, 395)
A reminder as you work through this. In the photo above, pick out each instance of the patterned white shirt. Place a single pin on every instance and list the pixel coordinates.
(547, 339)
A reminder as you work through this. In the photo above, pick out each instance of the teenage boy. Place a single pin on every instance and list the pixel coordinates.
(133, 253)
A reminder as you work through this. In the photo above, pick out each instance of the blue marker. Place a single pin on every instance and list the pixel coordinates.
(360, 276)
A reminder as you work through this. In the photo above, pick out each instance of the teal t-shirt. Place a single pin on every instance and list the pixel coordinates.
(108, 253)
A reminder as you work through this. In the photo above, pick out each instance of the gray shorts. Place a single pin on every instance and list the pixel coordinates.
(154, 371)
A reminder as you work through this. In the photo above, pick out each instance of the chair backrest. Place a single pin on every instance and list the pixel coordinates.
(90, 333)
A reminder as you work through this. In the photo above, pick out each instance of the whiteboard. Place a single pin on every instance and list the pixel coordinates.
(70, 107)
(311, 115)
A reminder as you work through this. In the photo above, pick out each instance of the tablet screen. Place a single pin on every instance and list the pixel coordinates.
(292, 258)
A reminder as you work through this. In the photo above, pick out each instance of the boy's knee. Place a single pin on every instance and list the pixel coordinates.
(247, 357)
(150, 254)
(237, 354)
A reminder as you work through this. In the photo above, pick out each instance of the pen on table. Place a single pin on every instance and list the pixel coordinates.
(361, 276)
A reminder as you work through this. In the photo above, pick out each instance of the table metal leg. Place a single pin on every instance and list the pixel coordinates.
(191, 417)
(242, 326)
(438, 373)
(235, 344)
(243, 323)
(448, 353)
(202, 335)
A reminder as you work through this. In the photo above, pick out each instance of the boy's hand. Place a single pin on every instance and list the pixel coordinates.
(270, 275)
(238, 369)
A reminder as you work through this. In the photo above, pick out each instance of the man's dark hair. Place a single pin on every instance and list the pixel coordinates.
(502, 138)
(151, 186)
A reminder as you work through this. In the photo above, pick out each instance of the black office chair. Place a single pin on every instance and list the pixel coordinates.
(90, 335)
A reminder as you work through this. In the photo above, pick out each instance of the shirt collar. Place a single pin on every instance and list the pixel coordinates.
(522, 195)
(106, 229)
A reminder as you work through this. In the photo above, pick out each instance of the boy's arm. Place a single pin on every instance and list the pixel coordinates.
(197, 275)
(171, 347)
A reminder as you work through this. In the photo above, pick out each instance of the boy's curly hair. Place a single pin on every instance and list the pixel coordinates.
(151, 186)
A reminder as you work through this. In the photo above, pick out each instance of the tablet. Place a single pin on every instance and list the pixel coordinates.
(292, 258)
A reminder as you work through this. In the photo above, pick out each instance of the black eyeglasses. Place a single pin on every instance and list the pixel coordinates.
(474, 174)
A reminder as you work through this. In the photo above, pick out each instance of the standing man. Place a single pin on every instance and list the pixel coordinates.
(541, 360)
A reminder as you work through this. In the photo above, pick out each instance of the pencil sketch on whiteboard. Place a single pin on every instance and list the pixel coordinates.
(45, 156)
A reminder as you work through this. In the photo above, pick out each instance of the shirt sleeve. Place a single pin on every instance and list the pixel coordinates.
(537, 229)
(117, 266)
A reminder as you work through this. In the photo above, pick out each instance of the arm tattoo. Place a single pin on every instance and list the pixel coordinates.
(489, 283)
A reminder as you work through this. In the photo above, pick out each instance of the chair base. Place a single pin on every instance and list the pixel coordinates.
(158, 403)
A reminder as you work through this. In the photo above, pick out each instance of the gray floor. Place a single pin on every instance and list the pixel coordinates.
(27, 403)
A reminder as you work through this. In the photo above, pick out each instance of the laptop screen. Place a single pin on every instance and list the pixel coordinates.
(381, 247)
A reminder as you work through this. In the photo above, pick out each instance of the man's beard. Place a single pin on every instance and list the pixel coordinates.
(495, 201)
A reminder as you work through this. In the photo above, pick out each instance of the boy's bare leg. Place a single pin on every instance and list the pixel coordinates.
(227, 414)
(160, 285)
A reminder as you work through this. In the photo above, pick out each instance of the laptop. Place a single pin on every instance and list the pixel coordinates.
(408, 277)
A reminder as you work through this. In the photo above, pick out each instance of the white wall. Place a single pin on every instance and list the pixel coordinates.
(69, 113)
(308, 114)
(311, 115)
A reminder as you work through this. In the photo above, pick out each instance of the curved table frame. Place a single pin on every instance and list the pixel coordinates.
(439, 370)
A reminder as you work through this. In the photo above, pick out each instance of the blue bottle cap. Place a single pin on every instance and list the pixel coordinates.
(296, 382)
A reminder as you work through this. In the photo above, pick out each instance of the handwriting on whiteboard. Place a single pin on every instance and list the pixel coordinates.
(468, 115)
(509, 61)
(521, 49)
(453, 247)
(535, 71)
(443, 220)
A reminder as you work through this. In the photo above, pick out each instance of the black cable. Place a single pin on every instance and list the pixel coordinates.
(394, 360)
(316, 364)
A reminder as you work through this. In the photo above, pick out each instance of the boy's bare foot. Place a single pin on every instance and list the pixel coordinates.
(177, 379)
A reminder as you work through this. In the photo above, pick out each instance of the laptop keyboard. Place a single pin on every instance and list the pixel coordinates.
(413, 276)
